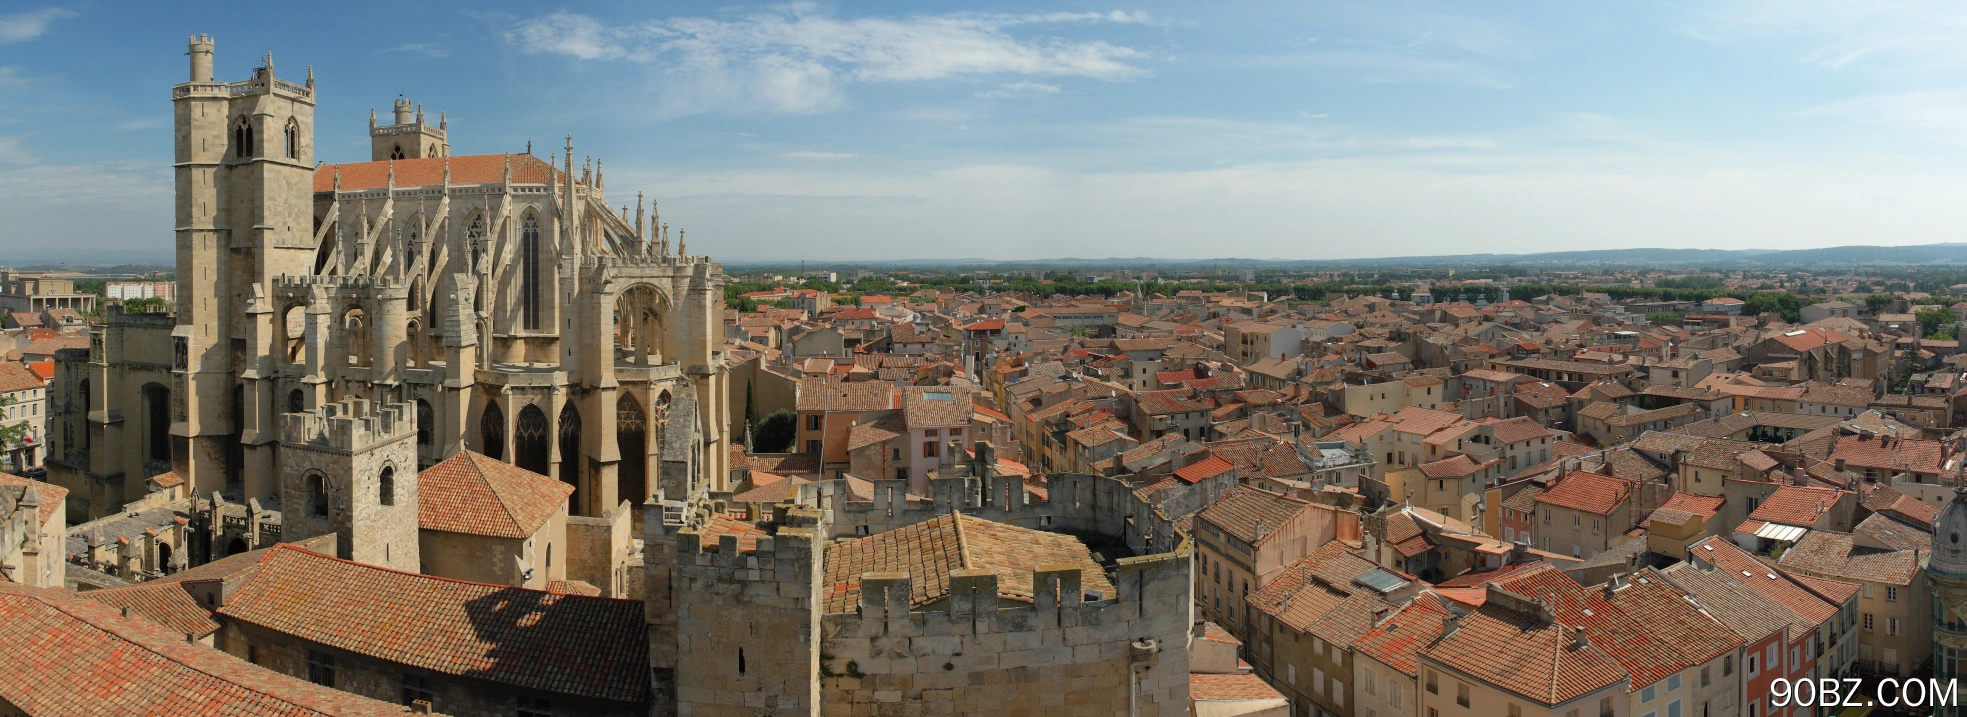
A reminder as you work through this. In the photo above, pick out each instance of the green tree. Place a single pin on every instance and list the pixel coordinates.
(776, 433)
(1930, 320)
(11, 435)
(1663, 317)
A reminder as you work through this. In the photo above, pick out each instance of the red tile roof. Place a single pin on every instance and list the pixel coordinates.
(569, 644)
(1207, 687)
(169, 605)
(929, 550)
(81, 658)
(1760, 577)
(477, 495)
(1240, 512)
(15, 377)
(1203, 470)
(1792, 505)
(50, 496)
(429, 171)
(1397, 640)
(1588, 492)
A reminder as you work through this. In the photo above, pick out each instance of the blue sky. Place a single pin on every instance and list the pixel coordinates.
(1297, 130)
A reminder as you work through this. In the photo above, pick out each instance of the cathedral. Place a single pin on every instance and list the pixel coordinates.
(496, 301)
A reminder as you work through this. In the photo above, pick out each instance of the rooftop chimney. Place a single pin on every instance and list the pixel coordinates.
(1450, 623)
(1578, 637)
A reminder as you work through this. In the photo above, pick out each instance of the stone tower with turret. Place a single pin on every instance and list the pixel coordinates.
(245, 178)
(409, 137)
(1946, 573)
(350, 468)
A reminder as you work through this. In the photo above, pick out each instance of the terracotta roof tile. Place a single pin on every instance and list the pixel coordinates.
(929, 550)
(81, 658)
(476, 495)
(585, 646)
(1203, 470)
(1207, 687)
(1245, 511)
(1588, 492)
(168, 604)
(429, 171)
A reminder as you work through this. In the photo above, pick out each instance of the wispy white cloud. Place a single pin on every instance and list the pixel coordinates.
(797, 59)
(1839, 34)
(1020, 89)
(1406, 66)
(29, 25)
(818, 155)
(11, 78)
(424, 49)
(1939, 114)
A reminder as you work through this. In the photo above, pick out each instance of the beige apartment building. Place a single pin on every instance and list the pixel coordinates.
(1583, 514)
(1895, 607)
(39, 291)
(1248, 342)
(1311, 616)
(1244, 540)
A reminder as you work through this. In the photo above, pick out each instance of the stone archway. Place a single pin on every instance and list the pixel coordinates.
(639, 313)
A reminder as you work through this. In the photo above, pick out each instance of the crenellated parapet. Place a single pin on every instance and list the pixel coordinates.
(351, 424)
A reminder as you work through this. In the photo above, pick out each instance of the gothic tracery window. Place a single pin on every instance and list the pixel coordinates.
(529, 273)
(293, 140)
(242, 138)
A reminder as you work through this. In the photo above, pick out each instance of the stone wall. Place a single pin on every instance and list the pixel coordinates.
(745, 626)
(1059, 656)
(348, 445)
(598, 550)
(1076, 503)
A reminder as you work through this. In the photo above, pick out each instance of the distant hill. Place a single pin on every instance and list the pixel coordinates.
(1840, 256)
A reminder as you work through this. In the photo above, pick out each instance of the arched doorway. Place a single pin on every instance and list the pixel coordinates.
(529, 440)
(235, 546)
(164, 558)
(570, 457)
(491, 431)
(631, 438)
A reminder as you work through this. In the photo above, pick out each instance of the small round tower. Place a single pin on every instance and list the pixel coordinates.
(1946, 573)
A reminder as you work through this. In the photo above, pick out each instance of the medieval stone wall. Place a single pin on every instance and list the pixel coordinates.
(1059, 656)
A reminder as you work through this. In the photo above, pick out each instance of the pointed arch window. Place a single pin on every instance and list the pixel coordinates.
(491, 432)
(529, 273)
(242, 138)
(293, 139)
(426, 420)
(396, 152)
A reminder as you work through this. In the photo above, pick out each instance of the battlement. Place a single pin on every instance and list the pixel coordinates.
(351, 424)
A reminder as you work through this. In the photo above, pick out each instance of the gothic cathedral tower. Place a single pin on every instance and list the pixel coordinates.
(245, 182)
(1946, 573)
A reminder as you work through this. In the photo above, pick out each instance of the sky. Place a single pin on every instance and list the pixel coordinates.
(884, 131)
